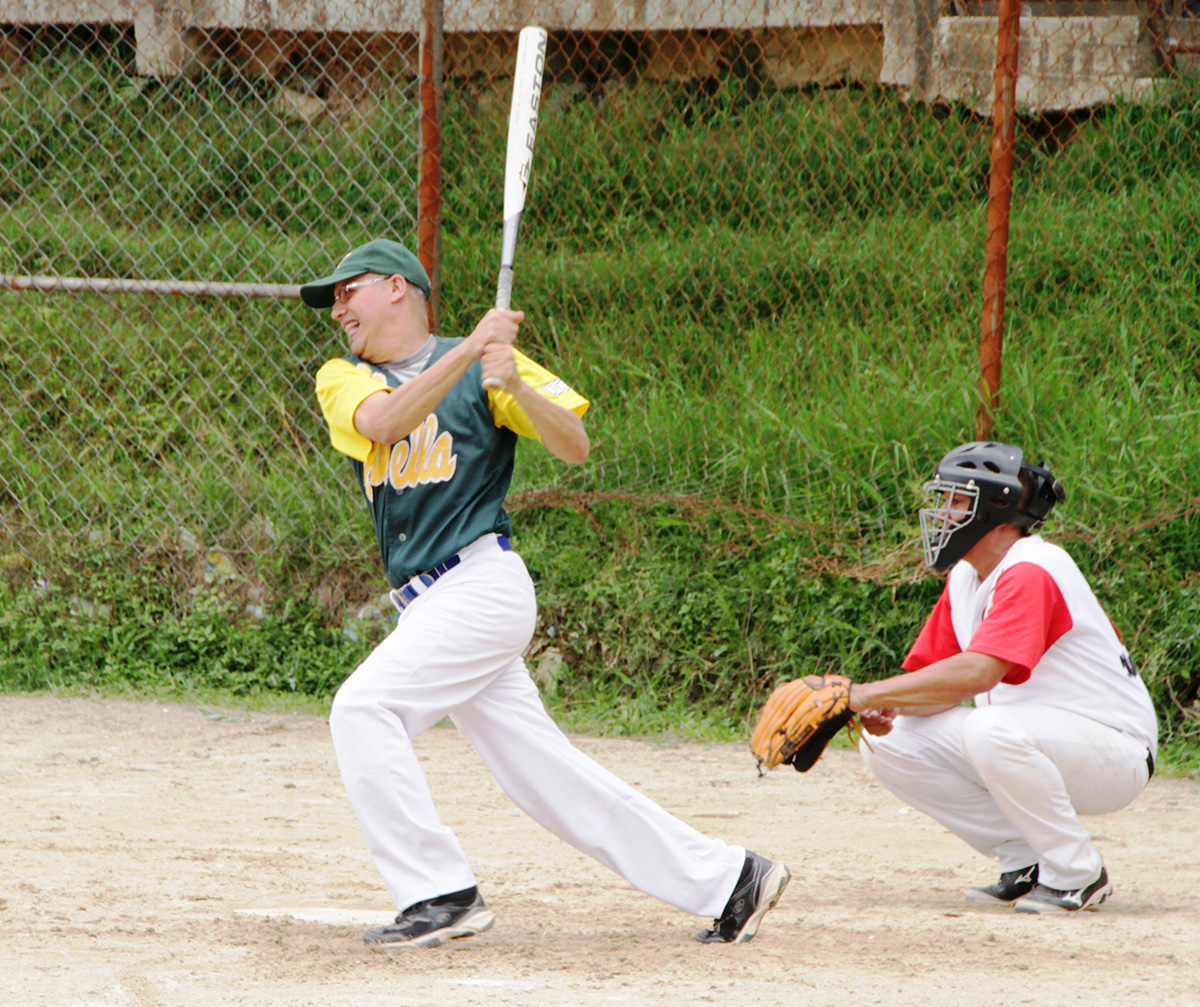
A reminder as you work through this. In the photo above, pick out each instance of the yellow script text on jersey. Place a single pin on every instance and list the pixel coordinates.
(424, 456)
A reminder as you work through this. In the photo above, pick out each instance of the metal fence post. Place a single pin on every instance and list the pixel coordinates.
(999, 202)
(429, 186)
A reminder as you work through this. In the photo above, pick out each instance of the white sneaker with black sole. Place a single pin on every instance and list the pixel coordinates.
(1044, 899)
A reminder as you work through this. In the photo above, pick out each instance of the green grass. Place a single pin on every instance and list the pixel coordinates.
(771, 298)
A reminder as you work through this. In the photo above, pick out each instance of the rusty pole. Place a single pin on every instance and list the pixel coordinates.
(429, 185)
(999, 201)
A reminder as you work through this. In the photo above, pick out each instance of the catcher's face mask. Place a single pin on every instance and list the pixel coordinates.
(980, 486)
(955, 508)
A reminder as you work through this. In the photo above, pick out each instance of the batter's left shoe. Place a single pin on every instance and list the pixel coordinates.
(1044, 899)
(434, 921)
(756, 892)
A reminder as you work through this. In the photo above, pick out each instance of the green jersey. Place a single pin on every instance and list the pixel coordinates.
(442, 486)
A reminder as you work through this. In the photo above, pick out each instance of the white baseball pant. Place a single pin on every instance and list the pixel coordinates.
(1012, 780)
(456, 650)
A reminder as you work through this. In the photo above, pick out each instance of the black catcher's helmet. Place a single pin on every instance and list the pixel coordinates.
(999, 489)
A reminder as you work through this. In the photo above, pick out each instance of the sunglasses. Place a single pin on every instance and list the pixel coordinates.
(343, 295)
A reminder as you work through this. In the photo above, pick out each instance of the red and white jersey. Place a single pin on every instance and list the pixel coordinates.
(1037, 611)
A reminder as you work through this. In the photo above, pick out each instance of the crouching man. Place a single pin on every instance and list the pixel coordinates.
(1061, 724)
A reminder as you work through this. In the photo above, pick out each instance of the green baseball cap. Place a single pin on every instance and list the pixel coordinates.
(378, 256)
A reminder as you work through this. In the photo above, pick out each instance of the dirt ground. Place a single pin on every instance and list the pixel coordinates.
(154, 854)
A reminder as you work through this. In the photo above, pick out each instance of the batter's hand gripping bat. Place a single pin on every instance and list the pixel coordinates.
(522, 127)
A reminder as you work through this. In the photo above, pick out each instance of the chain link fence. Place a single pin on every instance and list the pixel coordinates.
(755, 238)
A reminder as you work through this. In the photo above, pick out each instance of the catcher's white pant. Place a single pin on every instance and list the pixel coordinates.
(1011, 781)
(456, 650)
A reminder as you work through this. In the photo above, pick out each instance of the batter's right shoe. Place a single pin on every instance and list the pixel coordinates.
(757, 890)
(434, 921)
(1011, 886)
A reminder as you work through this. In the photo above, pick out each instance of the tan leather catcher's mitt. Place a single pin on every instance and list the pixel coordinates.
(799, 719)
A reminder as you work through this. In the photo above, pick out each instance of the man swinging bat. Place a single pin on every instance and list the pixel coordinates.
(433, 450)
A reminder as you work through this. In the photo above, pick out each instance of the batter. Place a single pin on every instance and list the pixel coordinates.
(433, 452)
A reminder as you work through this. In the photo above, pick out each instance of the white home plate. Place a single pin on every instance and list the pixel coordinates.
(328, 914)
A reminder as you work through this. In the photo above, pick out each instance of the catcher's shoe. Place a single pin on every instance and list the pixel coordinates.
(757, 890)
(1044, 899)
(1011, 886)
(434, 921)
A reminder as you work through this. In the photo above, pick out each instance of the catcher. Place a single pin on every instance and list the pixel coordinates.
(1061, 723)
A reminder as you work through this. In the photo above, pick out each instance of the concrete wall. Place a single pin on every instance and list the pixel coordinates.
(404, 16)
(1063, 63)
(794, 41)
(1074, 53)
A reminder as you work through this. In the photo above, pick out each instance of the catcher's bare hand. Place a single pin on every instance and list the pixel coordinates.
(877, 721)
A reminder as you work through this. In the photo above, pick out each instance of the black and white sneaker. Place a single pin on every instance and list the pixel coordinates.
(758, 889)
(434, 921)
(1044, 899)
(1011, 886)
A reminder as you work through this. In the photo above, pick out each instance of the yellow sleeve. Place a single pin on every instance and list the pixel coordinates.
(507, 413)
(341, 388)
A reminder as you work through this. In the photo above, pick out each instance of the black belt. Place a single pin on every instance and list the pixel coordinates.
(402, 597)
(1149, 763)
